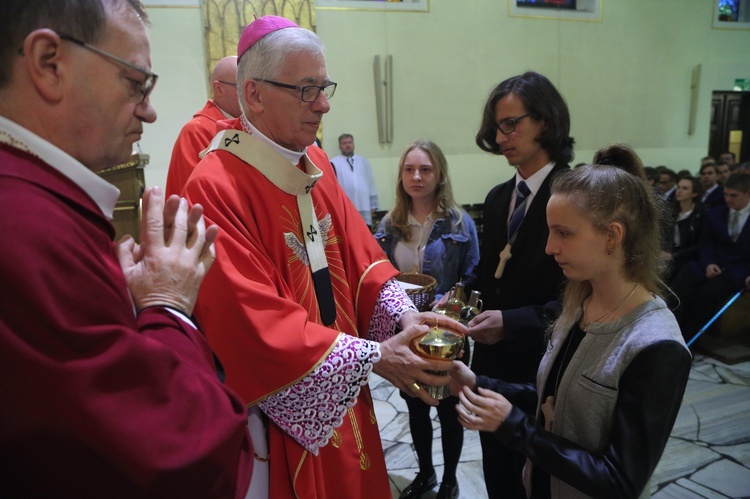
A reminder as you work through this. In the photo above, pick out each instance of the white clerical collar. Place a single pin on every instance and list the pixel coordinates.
(535, 181)
(293, 156)
(101, 192)
(226, 114)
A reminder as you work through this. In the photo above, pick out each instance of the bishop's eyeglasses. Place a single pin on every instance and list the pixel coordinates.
(308, 93)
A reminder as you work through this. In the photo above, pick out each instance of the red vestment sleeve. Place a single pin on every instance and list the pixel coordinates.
(193, 138)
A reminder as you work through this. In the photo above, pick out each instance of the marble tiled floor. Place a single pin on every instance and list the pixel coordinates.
(708, 454)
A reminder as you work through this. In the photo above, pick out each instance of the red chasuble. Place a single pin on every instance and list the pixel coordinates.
(259, 310)
(194, 138)
(94, 401)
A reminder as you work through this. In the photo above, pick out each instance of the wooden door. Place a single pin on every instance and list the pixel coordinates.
(730, 125)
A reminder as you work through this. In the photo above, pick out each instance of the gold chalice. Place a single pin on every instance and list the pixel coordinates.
(441, 343)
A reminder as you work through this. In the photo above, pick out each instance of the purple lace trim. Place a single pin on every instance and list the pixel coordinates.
(311, 409)
(390, 306)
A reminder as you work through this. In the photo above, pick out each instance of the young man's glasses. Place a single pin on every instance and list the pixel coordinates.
(508, 126)
(142, 87)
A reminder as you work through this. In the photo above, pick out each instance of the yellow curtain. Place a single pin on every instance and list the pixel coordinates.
(224, 20)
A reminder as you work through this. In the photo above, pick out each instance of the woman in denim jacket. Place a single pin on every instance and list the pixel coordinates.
(427, 232)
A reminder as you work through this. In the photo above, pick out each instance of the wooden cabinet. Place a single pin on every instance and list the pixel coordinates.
(130, 179)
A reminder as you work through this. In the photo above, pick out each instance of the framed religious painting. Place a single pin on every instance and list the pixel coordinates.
(731, 14)
(375, 5)
(573, 10)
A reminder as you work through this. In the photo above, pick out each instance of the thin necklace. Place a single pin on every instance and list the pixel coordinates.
(585, 325)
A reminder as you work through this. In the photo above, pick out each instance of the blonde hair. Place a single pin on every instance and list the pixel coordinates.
(443, 201)
(611, 193)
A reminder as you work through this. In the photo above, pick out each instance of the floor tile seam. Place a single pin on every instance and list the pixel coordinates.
(729, 457)
(716, 494)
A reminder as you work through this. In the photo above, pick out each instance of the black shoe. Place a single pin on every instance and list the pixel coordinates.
(419, 486)
(447, 491)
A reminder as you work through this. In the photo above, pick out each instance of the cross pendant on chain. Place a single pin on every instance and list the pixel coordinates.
(548, 409)
(504, 257)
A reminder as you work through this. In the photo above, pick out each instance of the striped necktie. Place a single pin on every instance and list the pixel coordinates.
(522, 193)
(734, 225)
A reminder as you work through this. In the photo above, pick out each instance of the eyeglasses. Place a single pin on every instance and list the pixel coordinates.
(508, 126)
(308, 93)
(228, 83)
(143, 87)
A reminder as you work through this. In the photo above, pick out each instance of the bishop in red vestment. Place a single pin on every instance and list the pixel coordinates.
(300, 305)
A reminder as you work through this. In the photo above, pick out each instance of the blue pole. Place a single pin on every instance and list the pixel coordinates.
(713, 319)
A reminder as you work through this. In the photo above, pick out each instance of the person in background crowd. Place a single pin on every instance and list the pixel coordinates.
(713, 193)
(689, 214)
(667, 183)
(683, 174)
(729, 158)
(708, 160)
(722, 266)
(354, 173)
(723, 171)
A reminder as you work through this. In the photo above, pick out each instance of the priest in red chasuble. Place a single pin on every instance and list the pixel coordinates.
(107, 388)
(301, 304)
(198, 132)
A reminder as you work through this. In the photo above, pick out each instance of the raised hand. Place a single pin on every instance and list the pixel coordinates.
(461, 376)
(487, 328)
(483, 411)
(175, 253)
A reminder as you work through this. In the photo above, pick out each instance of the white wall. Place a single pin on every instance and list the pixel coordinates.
(625, 78)
(178, 57)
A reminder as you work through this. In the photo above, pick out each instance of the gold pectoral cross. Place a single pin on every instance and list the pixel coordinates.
(504, 257)
(548, 409)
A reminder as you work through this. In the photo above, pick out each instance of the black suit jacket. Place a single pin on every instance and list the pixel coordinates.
(716, 198)
(531, 279)
(717, 247)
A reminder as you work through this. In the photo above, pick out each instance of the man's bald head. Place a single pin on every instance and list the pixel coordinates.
(226, 69)
(224, 85)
